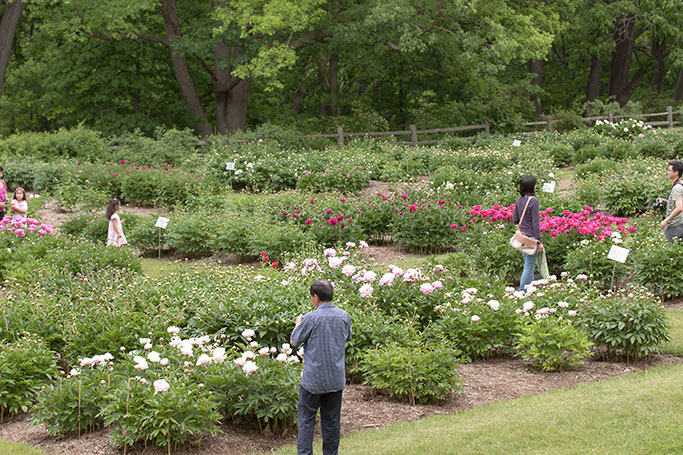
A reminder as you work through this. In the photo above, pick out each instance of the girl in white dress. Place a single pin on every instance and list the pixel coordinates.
(115, 235)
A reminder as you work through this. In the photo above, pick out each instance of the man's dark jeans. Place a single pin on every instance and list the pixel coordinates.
(330, 410)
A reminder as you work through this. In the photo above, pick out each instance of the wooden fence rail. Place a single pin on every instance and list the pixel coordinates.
(413, 132)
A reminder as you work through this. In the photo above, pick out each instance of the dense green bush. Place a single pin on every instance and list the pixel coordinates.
(553, 343)
(656, 265)
(631, 323)
(78, 143)
(26, 365)
(416, 373)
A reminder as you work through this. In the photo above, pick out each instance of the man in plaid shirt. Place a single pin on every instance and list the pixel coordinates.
(323, 333)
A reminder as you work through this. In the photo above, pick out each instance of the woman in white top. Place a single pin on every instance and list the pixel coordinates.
(19, 206)
(115, 235)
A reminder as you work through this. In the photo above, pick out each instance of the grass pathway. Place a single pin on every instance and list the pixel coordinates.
(638, 414)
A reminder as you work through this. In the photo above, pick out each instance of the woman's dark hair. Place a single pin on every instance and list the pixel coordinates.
(677, 166)
(111, 208)
(527, 186)
(323, 289)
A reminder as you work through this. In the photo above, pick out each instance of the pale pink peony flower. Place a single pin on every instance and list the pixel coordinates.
(203, 360)
(562, 304)
(427, 288)
(74, 372)
(331, 252)
(249, 367)
(571, 313)
(475, 318)
(259, 277)
(528, 305)
(282, 357)
(218, 355)
(366, 290)
(582, 277)
(348, 270)
(140, 363)
(263, 351)
(173, 330)
(248, 333)
(335, 262)
(350, 245)
(362, 244)
(240, 361)
(543, 311)
(369, 276)
(386, 279)
(437, 284)
(163, 362)
(144, 341)
(154, 357)
(494, 305)
(160, 385)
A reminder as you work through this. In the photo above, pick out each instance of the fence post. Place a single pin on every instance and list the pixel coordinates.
(487, 127)
(550, 124)
(611, 117)
(670, 116)
(413, 135)
(340, 136)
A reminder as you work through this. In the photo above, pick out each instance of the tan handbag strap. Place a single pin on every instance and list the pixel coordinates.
(524, 212)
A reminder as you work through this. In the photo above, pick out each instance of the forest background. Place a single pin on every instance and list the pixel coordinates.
(366, 65)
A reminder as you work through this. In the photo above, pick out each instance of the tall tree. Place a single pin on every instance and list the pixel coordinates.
(8, 28)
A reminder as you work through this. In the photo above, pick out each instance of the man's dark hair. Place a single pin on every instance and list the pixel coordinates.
(323, 289)
(677, 166)
(527, 186)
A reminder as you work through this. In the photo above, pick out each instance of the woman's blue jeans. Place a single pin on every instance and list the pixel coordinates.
(528, 272)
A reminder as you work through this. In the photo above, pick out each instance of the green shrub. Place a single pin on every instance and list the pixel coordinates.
(478, 330)
(78, 143)
(26, 365)
(552, 343)
(656, 265)
(73, 404)
(416, 373)
(631, 323)
(590, 258)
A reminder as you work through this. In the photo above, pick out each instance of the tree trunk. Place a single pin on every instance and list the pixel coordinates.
(8, 28)
(593, 88)
(232, 93)
(188, 90)
(330, 80)
(678, 91)
(620, 67)
(536, 68)
(659, 53)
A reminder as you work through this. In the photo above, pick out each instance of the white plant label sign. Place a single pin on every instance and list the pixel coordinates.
(230, 166)
(516, 143)
(161, 222)
(549, 187)
(617, 253)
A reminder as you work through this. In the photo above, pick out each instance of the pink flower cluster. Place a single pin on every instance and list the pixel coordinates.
(22, 227)
(585, 222)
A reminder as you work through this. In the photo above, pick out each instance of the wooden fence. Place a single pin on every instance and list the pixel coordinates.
(414, 133)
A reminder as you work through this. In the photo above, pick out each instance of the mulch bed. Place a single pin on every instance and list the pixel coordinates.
(484, 382)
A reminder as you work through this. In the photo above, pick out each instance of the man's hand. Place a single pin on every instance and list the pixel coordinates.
(298, 320)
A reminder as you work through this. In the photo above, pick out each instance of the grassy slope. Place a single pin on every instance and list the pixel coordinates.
(640, 414)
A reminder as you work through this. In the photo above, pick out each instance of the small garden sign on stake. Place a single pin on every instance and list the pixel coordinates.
(161, 224)
(617, 254)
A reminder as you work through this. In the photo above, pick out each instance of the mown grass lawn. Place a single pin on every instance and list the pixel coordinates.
(675, 346)
(8, 448)
(638, 414)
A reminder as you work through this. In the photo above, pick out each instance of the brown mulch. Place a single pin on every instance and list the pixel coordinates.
(484, 382)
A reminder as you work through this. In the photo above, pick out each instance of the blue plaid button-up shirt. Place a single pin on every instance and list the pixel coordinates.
(323, 332)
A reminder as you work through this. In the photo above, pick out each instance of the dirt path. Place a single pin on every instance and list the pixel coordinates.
(484, 382)
(51, 214)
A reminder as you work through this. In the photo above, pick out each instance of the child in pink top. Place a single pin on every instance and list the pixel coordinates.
(19, 206)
